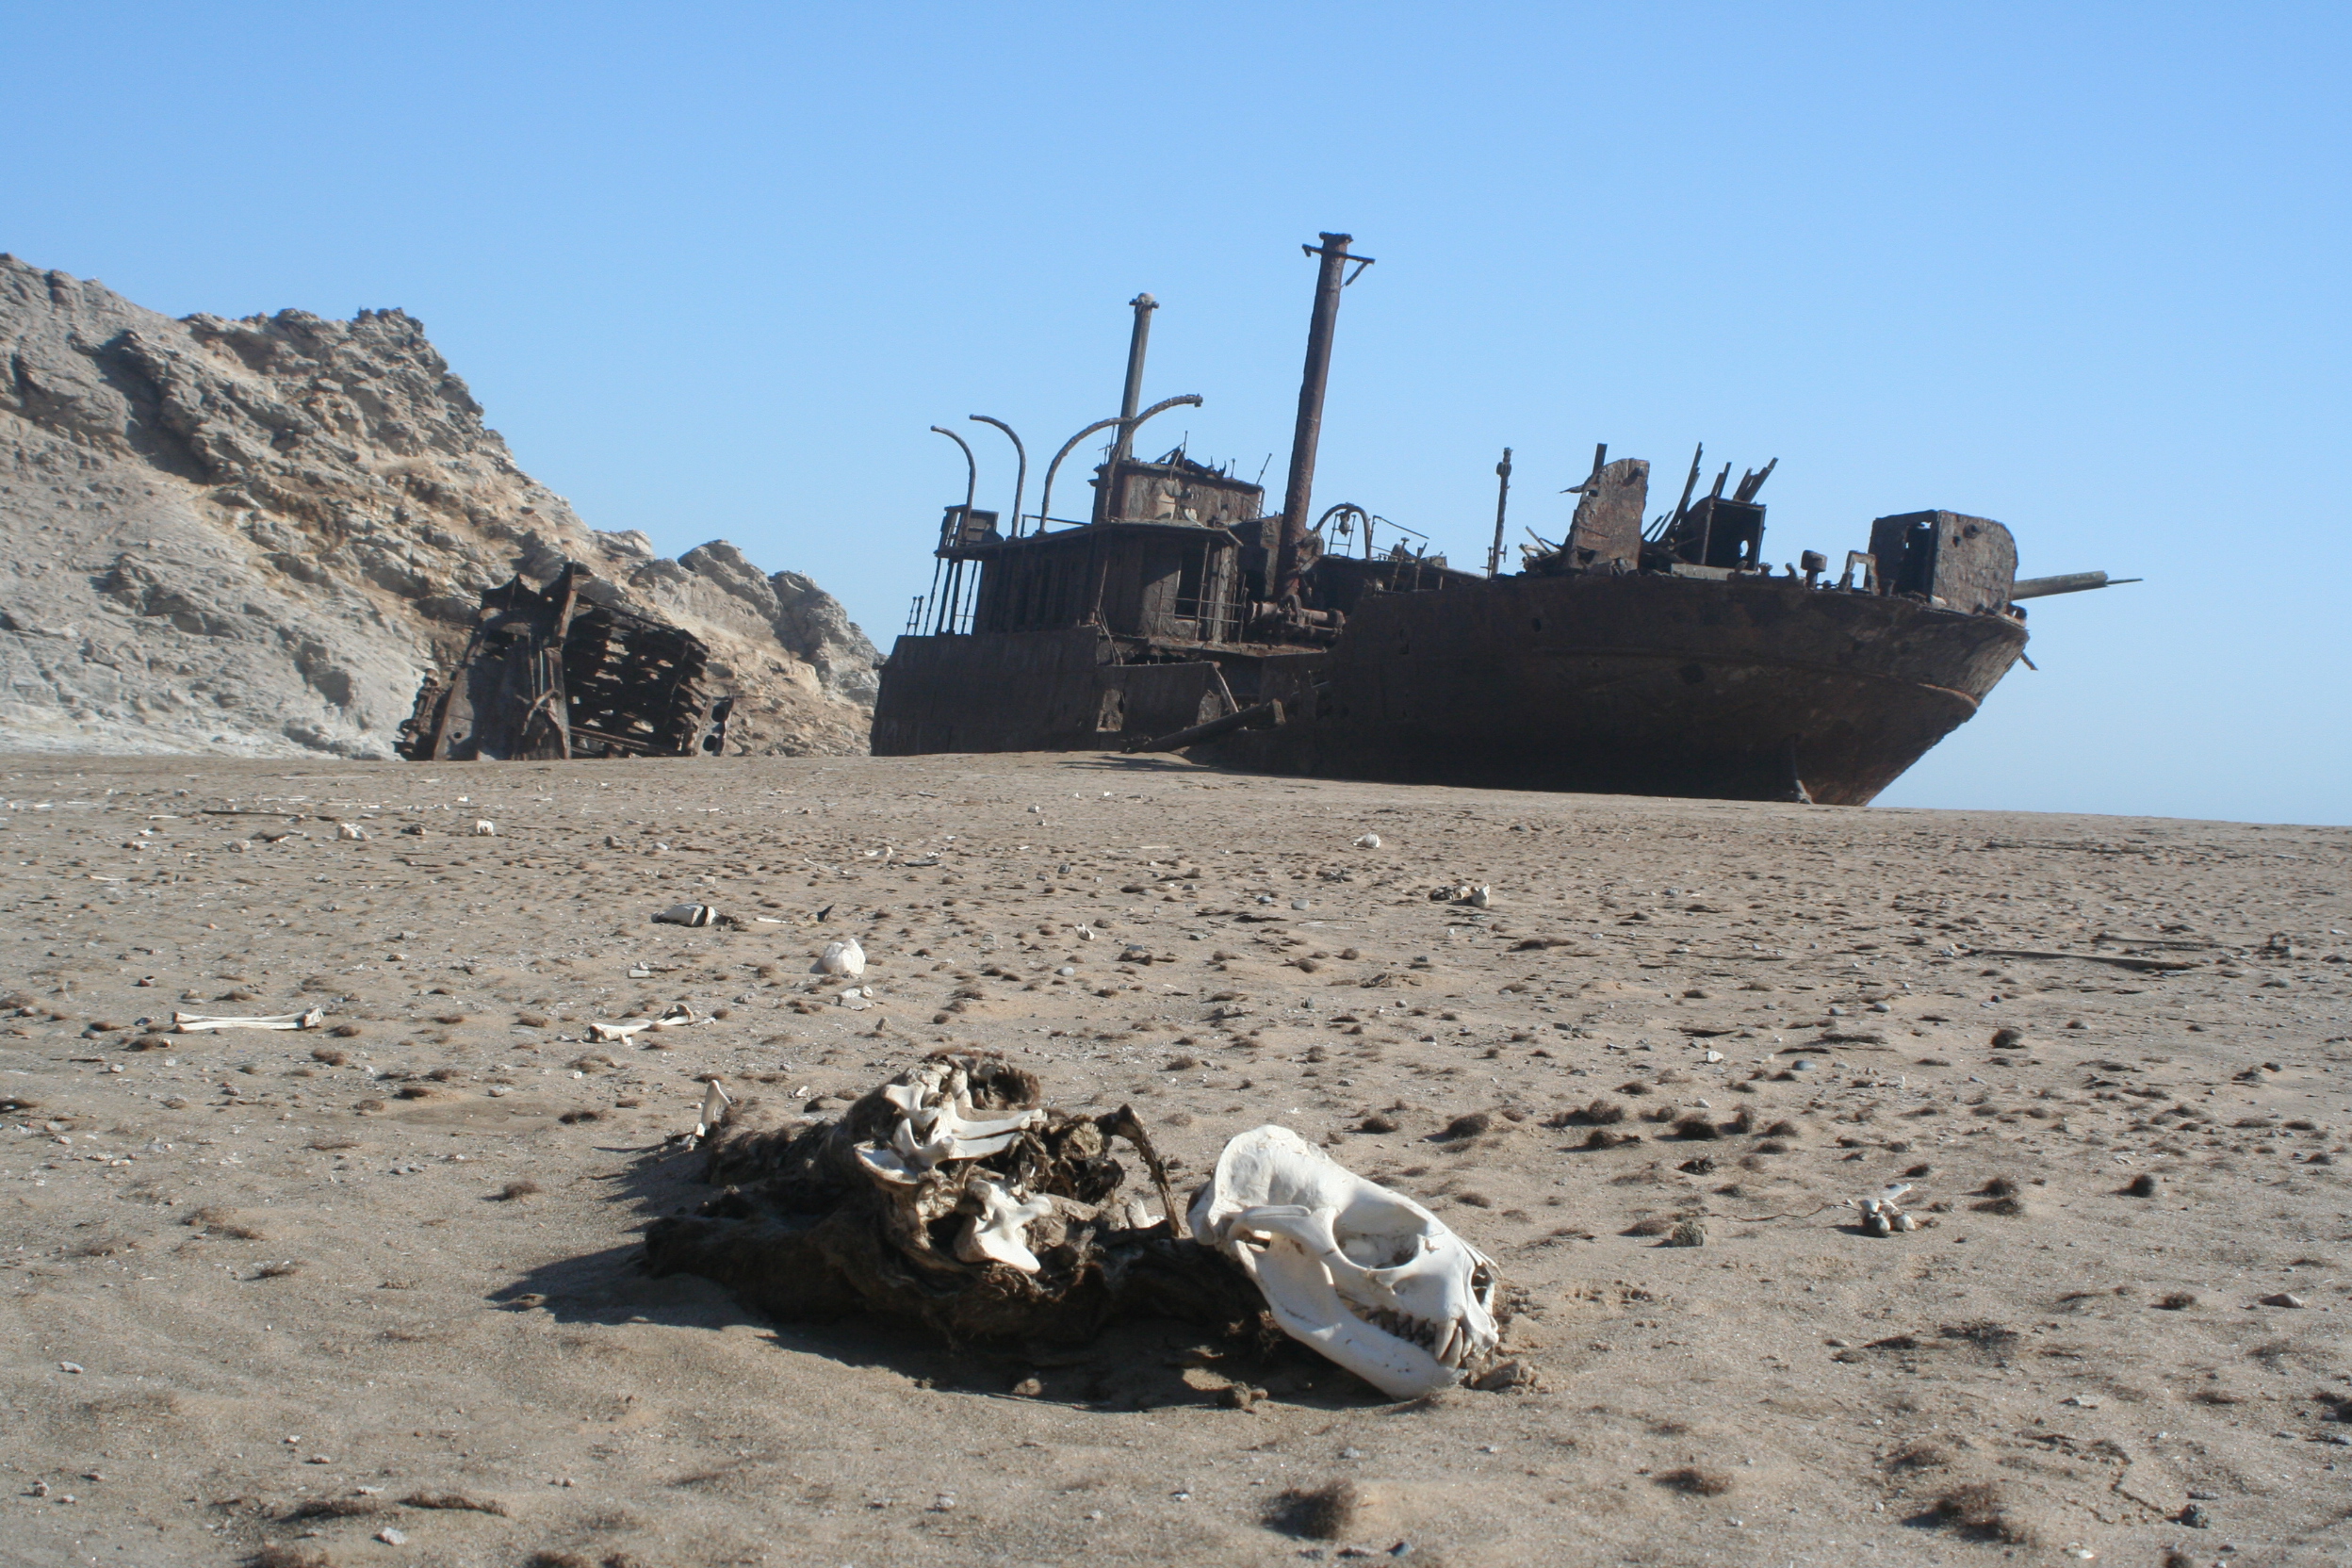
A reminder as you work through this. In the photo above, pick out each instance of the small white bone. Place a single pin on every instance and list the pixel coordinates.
(1000, 1231)
(843, 958)
(679, 1017)
(198, 1023)
(714, 1103)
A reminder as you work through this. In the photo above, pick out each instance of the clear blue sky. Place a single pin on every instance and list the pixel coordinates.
(713, 270)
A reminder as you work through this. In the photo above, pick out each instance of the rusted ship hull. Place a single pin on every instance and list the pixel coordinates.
(1741, 689)
(1647, 685)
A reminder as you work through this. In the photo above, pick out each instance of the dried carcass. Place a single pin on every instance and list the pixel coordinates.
(952, 1198)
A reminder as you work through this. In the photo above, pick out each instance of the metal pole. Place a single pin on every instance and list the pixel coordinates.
(1132, 399)
(1502, 500)
(1298, 493)
(972, 466)
(1021, 480)
(972, 485)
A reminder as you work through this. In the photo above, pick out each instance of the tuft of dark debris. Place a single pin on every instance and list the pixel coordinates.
(1601, 1138)
(1980, 1510)
(1326, 1513)
(1469, 1126)
(337, 1508)
(1695, 1126)
(223, 1222)
(1982, 1332)
(455, 1501)
(2141, 1186)
(276, 1556)
(1377, 1123)
(1919, 1456)
(574, 1118)
(514, 1190)
(2179, 1300)
(1694, 1482)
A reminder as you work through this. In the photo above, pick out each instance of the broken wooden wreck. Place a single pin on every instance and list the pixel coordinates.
(553, 672)
(1659, 658)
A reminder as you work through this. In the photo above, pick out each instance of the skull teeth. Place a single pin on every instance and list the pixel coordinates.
(1436, 1338)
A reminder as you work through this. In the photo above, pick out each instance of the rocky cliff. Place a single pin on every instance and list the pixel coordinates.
(255, 536)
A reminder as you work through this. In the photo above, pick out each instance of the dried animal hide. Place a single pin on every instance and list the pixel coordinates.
(952, 1199)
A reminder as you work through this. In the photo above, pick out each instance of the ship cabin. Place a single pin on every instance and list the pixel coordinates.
(1159, 565)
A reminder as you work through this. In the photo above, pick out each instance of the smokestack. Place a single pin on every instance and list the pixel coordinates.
(1299, 494)
(1106, 502)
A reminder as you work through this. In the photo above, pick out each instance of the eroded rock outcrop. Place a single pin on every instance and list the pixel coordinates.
(255, 536)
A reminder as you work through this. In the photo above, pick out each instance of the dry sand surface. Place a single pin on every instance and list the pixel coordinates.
(276, 1294)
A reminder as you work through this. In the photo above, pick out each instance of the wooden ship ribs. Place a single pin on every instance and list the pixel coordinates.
(1665, 658)
(551, 673)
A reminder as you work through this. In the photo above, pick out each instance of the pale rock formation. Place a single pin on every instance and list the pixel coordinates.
(255, 536)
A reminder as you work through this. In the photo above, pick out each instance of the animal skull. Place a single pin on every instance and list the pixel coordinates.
(1365, 1276)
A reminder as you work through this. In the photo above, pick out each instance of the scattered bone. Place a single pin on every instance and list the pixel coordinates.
(1880, 1217)
(1000, 1230)
(198, 1023)
(715, 1103)
(679, 1017)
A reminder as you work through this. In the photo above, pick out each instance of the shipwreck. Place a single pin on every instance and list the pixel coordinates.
(1657, 657)
(565, 671)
